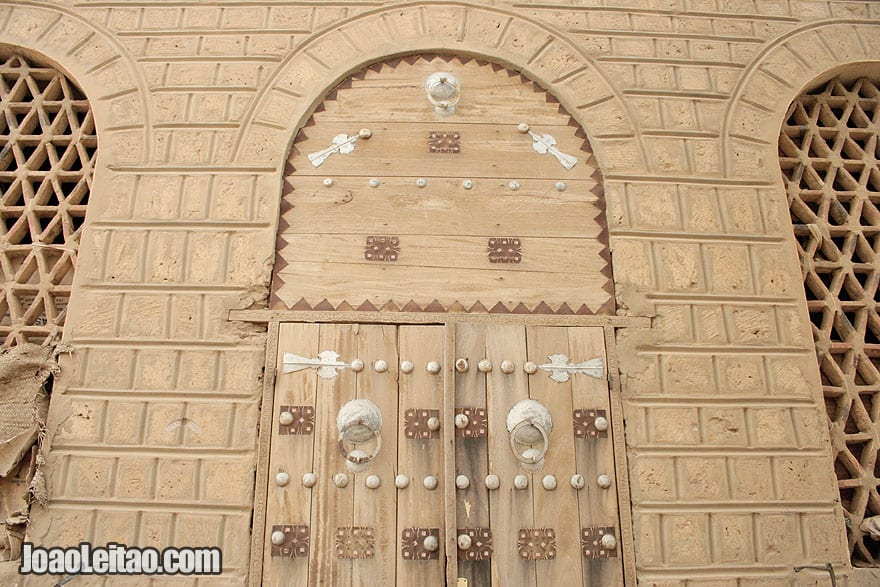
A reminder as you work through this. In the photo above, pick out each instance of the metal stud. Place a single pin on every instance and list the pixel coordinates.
(492, 482)
(433, 367)
(431, 544)
(380, 366)
(549, 482)
(461, 365)
(462, 482)
(560, 186)
(401, 481)
(430, 482)
(373, 482)
(374, 182)
(277, 537)
(484, 366)
(282, 479)
(520, 481)
(507, 367)
(601, 423)
(530, 367)
(421, 182)
(285, 418)
(467, 184)
(340, 480)
(328, 182)
(357, 365)
(522, 127)
(365, 133)
(309, 480)
(434, 423)
(609, 541)
(462, 421)
(464, 541)
(578, 481)
(406, 367)
(514, 185)
(603, 481)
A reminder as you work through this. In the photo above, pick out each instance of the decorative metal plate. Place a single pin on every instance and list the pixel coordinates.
(382, 248)
(296, 541)
(415, 424)
(303, 420)
(326, 364)
(355, 542)
(537, 544)
(560, 368)
(444, 142)
(481, 544)
(504, 249)
(585, 423)
(591, 542)
(478, 423)
(412, 544)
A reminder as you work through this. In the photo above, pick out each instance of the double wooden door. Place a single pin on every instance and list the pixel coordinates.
(426, 454)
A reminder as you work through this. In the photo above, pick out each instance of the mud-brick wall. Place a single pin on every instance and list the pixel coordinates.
(153, 423)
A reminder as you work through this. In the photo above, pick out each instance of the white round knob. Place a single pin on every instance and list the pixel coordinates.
(431, 544)
(484, 366)
(309, 480)
(277, 537)
(433, 423)
(357, 365)
(340, 480)
(507, 367)
(492, 482)
(380, 366)
(601, 424)
(522, 127)
(464, 541)
(286, 418)
(603, 481)
(461, 421)
(520, 481)
(373, 482)
(421, 182)
(406, 367)
(365, 133)
(578, 481)
(374, 182)
(282, 479)
(430, 483)
(530, 367)
(467, 184)
(514, 185)
(609, 541)
(560, 186)
(461, 365)
(462, 482)
(328, 182)
(433, 367)
(401, 481)
(549, 482)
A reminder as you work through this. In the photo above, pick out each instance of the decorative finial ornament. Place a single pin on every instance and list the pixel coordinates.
(444, 92)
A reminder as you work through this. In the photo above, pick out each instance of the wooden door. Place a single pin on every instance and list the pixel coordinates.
(518, 519)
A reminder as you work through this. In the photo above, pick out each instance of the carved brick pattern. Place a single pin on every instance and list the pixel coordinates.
(355, 542)
(303, 420)
(481, 544)
(478, 423)
(44, 190)
(412, 544)
(444, 142)
(591, 544)
(828, 153)
(537, 544)
(415, 424)
(296, 541)
(504, 250)
(382, 248)
(584, 423)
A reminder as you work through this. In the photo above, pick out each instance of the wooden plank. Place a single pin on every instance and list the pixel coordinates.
(538, 254)
(377, 508)
(595, 456)
(472, 454)
(402, 150)
(418, 507)
(448, 437)
(379, 283)
(332, 507)
(510, 509)
(291, 454)
(554, 509)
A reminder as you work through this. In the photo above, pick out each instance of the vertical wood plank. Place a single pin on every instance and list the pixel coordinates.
(291, 454)
(332, 506)
(555, 509)
(448, 436)
(510, 509)
(471, 454)
(418, 507)
(376, 508)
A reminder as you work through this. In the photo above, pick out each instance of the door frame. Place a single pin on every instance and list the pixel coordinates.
(273, 318)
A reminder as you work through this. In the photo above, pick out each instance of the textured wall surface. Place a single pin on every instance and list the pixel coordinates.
(196, 107)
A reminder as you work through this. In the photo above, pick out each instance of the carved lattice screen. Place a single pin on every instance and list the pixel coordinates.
(828, 153)
(47, 152)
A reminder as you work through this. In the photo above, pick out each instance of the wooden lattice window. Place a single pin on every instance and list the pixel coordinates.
(47, 153)
(828, 152)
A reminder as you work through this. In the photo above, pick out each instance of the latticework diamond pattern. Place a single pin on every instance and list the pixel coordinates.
(828, 151)
(47, 153)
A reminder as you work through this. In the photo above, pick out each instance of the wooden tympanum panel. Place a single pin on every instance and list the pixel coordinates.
(391, 225)
(534, 527)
